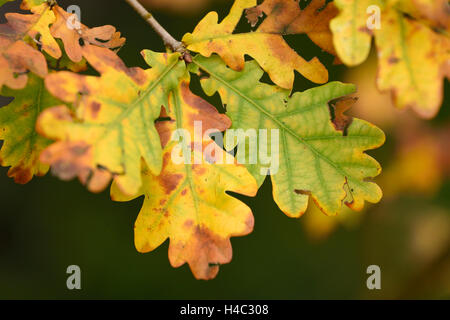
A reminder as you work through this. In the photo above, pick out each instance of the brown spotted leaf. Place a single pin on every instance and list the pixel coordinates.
(25, 35)
(187, 202)
(18, 45)
(413, 46)
(269, 49)
(114, 120)
(73, 34)
(435, 13)
(285, 17)
(307, 152)
(22, 145)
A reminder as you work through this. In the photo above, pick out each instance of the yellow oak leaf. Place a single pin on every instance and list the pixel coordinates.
(188, 203)
(436, 13)
(413, 65)
(414, 57)
(114, 120)
(351, 37)
(269, 49)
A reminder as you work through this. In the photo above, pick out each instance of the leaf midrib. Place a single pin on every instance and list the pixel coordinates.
(279, 123)
(135, 104)
(188, 179)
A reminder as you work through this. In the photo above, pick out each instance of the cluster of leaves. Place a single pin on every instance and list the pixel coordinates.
(31, 49)
(413, 46)
(117, 126)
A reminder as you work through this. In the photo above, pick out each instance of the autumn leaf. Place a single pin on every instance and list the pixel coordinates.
(315, 158)
(114, 122)
(188, 203)
(351, 37)
(78, 35)
(414, 58)
(16, 55)
(74, 34)
(413, 69)
(22, 145)
(36, 26)
(436, 13)
(269, 49)
(24, 35)
(65, 63)
(285, 18)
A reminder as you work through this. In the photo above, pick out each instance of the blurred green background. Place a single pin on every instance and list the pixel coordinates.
(47, 225)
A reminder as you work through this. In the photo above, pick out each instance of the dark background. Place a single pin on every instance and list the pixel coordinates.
(48, 224)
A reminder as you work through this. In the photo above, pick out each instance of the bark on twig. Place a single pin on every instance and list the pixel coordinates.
(169, 41)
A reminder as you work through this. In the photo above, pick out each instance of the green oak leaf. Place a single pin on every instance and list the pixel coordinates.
(22, 145)
(315, 158)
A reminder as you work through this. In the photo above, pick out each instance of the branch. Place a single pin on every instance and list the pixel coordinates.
(169, 41)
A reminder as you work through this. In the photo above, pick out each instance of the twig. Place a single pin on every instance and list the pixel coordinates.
(169, 41)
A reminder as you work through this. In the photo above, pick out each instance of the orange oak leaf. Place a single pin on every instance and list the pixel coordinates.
(286, 17)
(74, 159)
(18, 45)
(24, 36)
(75, 34)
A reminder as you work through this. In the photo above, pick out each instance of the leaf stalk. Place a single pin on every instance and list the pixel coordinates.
(169, 41)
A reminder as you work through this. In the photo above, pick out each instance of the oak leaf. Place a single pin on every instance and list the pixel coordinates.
(114, 121)
(36, 26)
(435, 13)
(78, 34)
(414, 57)
(17, 56)
(74, 34)
(286, 18)
(188, 203)
(269, 49)
(315, 159)
(22, 145)
(25, 35)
